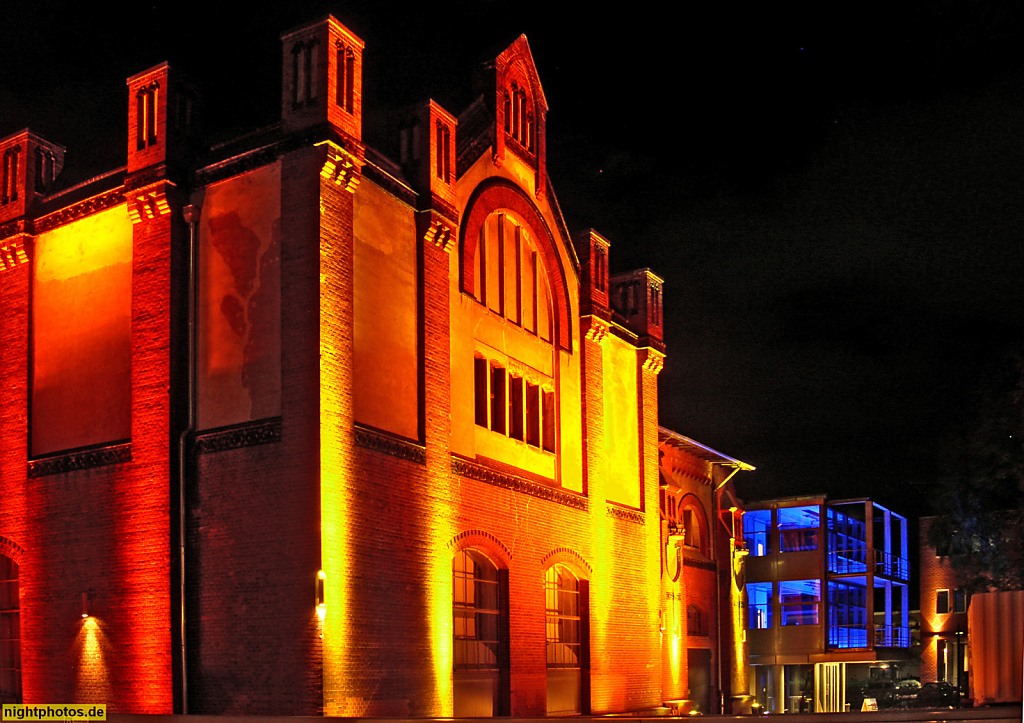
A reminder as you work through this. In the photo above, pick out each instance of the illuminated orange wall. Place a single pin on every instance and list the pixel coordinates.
(81, 322)
(385, 302)
(239, 363)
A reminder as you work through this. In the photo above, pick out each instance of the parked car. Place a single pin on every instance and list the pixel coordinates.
(883, 692)
(906, 692)
(938, 695)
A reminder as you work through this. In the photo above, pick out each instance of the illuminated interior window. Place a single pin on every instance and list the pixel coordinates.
(10, 633)
(847, 542)
(10, 176)
(562, 613)
(476, 610)
(799, 601)
(696, 622)
(942, 601)
(798, 528)
(759, 605)
(847, 613)
(757, 527)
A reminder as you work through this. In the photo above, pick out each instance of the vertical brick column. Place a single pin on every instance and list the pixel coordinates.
(436, 236)
(141, 673)
(15, 534)
(339, 504)
(650, 364)
(594, 331)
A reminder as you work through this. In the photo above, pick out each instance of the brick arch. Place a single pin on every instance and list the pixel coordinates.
(498, 193)
(483, 542)
(693, 502)
(11, 549)
(571, 559)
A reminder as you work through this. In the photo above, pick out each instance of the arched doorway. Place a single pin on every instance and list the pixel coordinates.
(480, 636)
(566, 631)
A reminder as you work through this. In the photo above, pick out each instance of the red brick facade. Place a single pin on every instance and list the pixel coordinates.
(349, 324)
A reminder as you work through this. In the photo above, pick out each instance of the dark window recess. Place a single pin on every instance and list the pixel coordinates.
(960, 601)
(498, 399)
(942, 601)
(548, 417)
(533, 414)
(515, 408)
(480, 387)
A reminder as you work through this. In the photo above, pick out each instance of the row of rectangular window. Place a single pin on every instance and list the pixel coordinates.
(960, 601)
(508, 404)
(305, 59)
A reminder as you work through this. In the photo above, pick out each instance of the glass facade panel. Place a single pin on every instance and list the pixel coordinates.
(799, 601)
(798, 528)
(757, 526)
(759, 605)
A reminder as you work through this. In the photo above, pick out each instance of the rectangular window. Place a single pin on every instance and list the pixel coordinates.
(960, 601)
(548, 419)
(480, 390)
(798, 528)
(533, 414)
(480, 282)
(942, 601)
(757, 526)
(515, 407)
(759, 605)
(799, 601)
(498, 399)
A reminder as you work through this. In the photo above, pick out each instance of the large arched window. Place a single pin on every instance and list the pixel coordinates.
(693, 525)
(10, 632)
(479, 636)
(510, 277)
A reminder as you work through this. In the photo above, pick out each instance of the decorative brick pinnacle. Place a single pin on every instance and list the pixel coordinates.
(341, 168)
(654, 360)
(148, 203)
(13, 252)
(597, 330)
(440, 234)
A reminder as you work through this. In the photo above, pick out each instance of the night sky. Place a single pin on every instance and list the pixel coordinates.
(832, 192)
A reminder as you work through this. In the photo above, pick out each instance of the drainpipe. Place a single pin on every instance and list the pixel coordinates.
(191, 214)
(717, 499)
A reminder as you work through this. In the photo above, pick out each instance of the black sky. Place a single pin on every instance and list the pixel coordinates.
(833, 193)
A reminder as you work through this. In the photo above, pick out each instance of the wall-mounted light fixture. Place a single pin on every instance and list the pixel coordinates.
(85, 604)
(321, 595)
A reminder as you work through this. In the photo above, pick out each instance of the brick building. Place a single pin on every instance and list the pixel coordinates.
(944, 648)
(295, 425)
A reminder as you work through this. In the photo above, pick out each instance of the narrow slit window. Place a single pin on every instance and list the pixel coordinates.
(498, 399)
(515, 408)
(350, 78)
(480, 390)
(312, 59)
(533, 415)
(140, 119)
(548, 420)
(152, 97)
(298, 74)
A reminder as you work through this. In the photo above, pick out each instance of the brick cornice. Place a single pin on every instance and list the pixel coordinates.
(471, 470)
(249, 434)
(396, 447)
(626, 514)
(87, 207)
(435, 228)
(82, 459)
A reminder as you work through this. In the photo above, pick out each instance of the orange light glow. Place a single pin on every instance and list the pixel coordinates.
(92, 684)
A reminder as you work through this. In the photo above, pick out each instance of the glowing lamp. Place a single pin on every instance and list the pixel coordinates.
(321, 595)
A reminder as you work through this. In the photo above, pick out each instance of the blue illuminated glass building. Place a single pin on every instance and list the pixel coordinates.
(826, 599)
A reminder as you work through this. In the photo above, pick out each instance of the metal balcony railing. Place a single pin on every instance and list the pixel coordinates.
(891, 566)
(892, 636)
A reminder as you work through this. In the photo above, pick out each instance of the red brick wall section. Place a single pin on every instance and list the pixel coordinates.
(254, 642)
(14, 510)
(936, 574)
